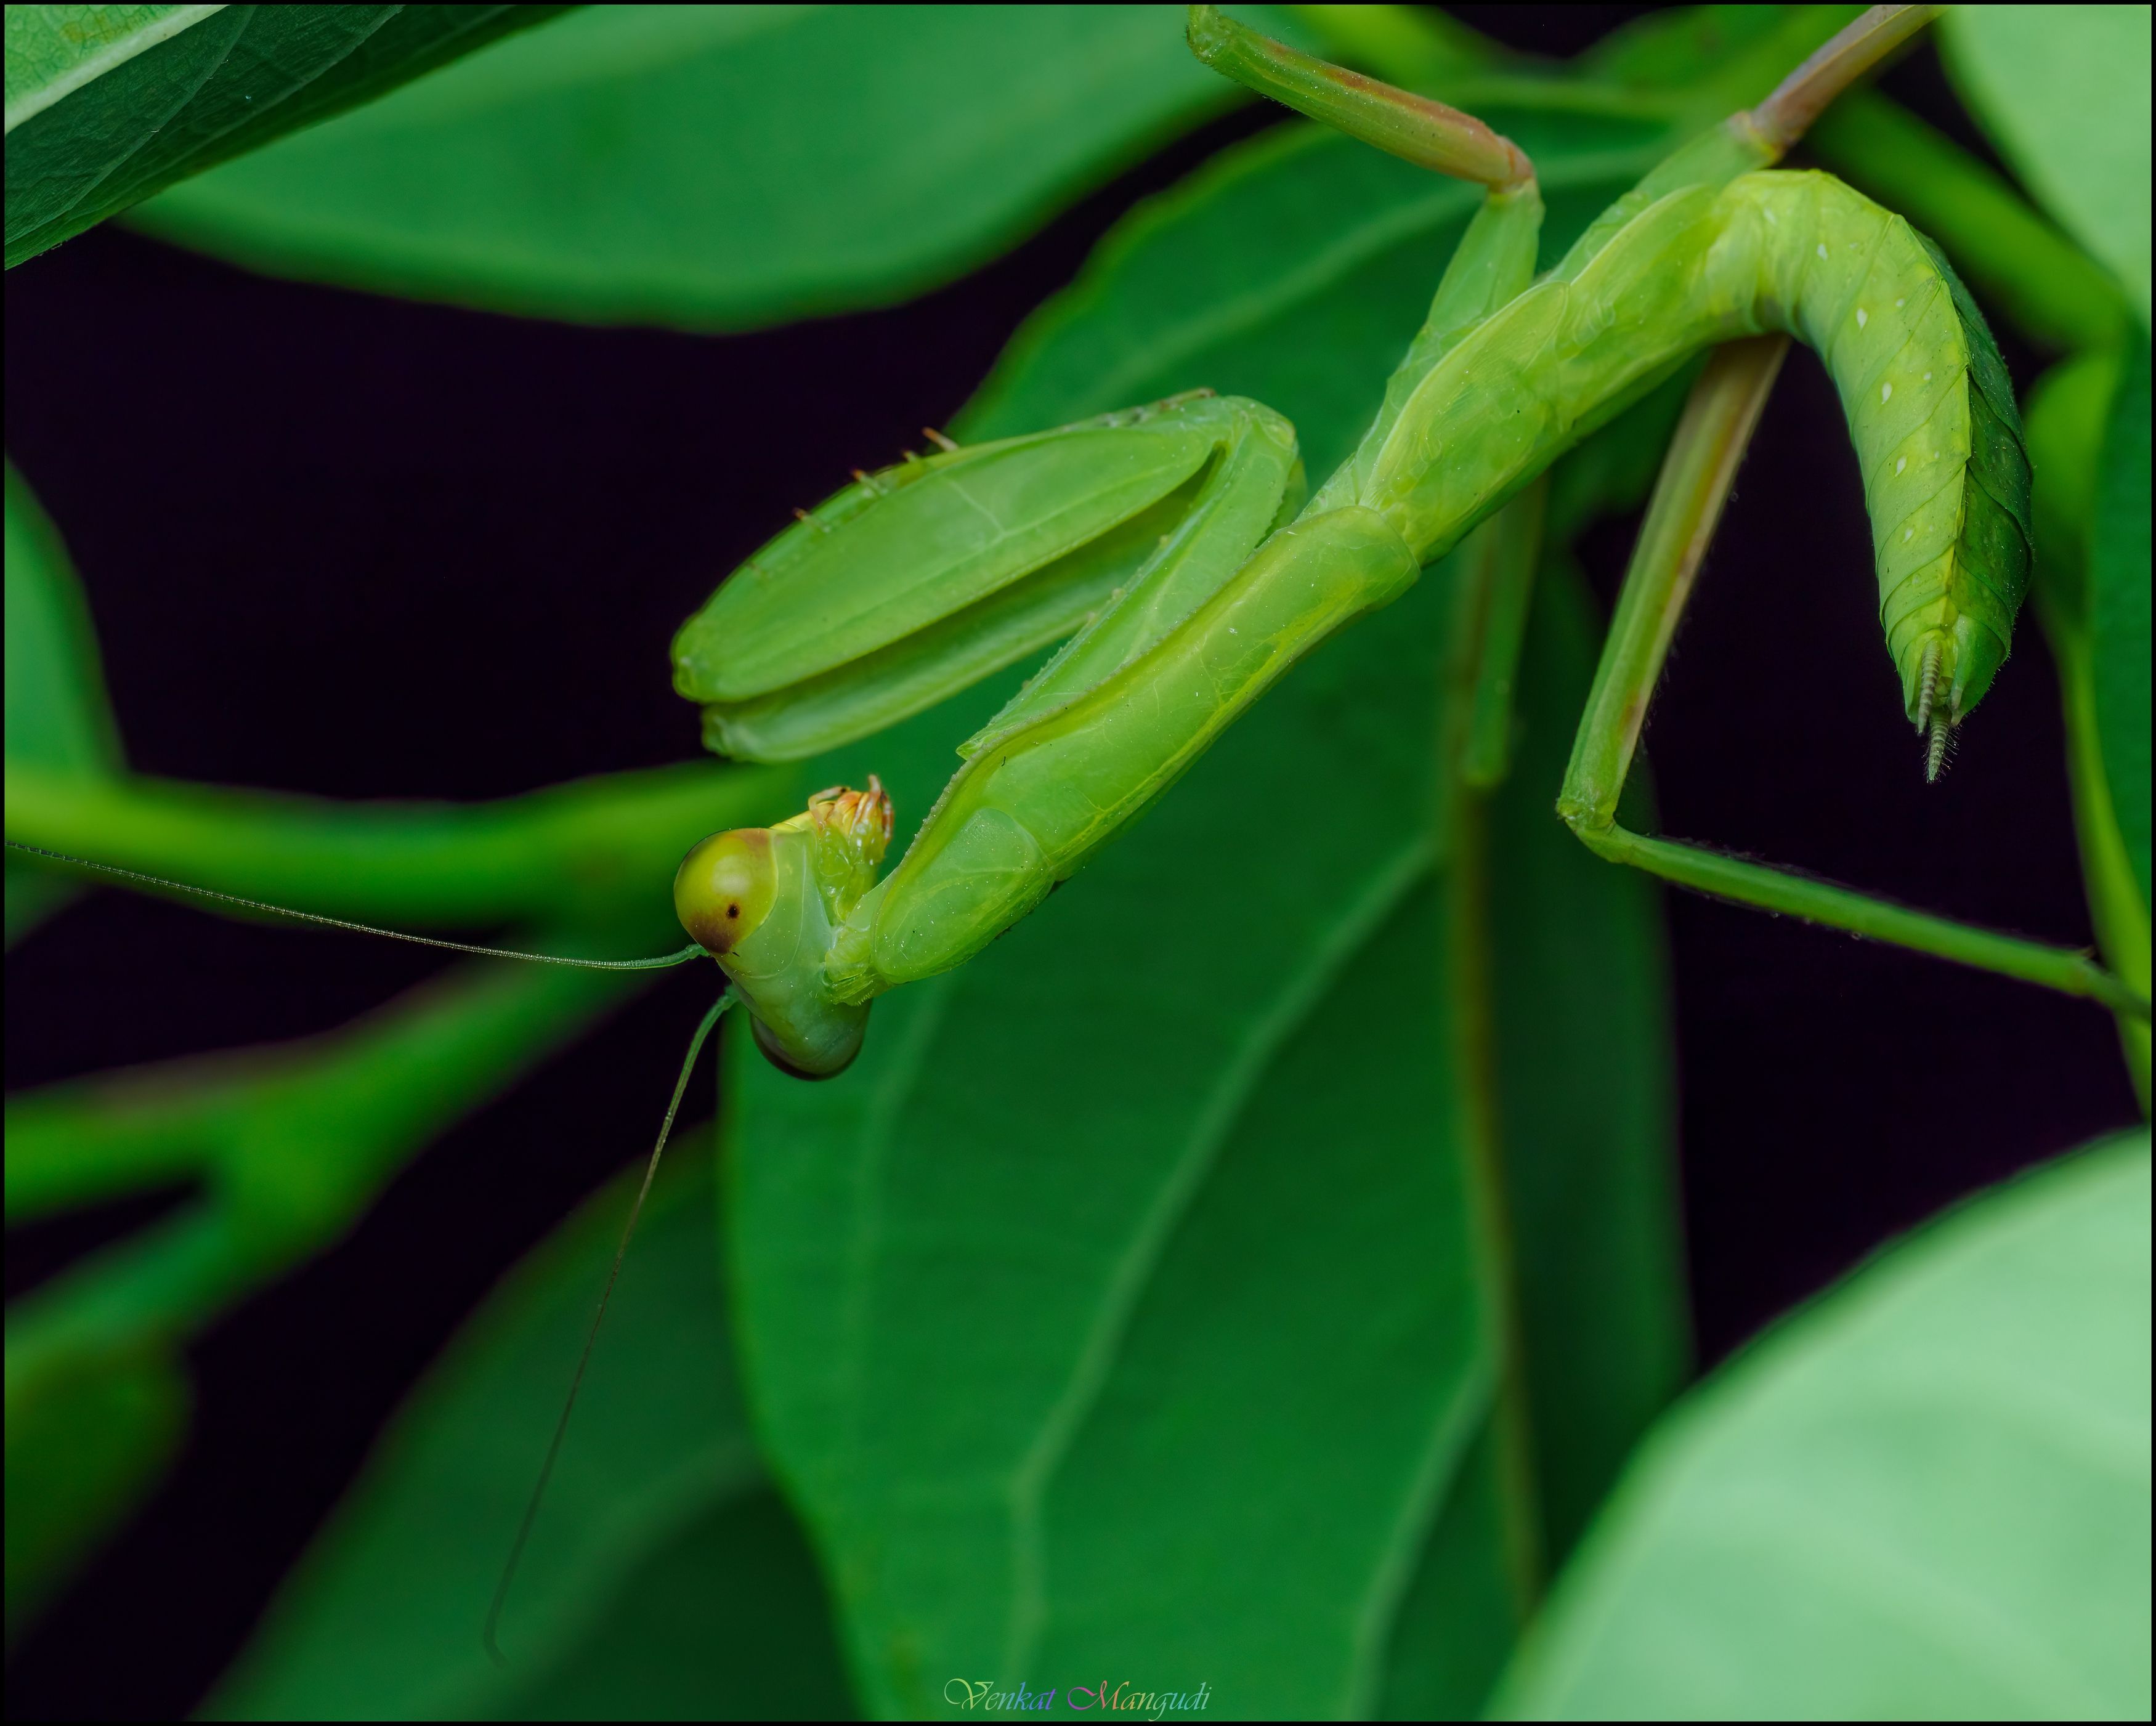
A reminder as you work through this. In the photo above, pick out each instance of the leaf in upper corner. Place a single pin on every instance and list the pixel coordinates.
(664, 1578)
(2064, 92)
(107, 105)
(1927, 1496)
(57, 715)
(712, 167)
(2119, 552)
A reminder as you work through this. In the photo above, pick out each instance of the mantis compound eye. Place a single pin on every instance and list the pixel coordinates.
(724, 888)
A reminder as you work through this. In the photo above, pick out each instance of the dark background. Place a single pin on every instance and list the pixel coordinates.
(354, 546)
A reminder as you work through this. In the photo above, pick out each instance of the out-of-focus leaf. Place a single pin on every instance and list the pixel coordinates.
(712, 167)
(108, 104)
(1686, 46)
(86, 1442)
(2118, 607)
(2064, 92)
(664, 1578)
(57, 715)
(1927, 1496)
(1118, 1307)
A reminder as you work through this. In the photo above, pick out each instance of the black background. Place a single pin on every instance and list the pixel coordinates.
(351, 545)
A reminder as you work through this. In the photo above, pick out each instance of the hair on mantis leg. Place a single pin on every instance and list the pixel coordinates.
(1143, 537)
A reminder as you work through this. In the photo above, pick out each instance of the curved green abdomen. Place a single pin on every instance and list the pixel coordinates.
(1930, 411)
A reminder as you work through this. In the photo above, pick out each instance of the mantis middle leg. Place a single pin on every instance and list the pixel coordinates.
(1702, 461)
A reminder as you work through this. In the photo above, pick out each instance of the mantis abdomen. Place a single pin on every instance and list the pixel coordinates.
(1930, 410)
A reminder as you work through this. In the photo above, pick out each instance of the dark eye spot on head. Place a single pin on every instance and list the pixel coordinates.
(733, 910)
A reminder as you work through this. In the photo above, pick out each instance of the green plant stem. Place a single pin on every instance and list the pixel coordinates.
(576, 853)
(2114, 896)
(1488, 575)
(296, 1139)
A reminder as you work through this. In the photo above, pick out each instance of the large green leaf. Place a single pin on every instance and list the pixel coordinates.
(2118, 607)
(712, 167)
(57, 715)
(1118, 1313)
(1927, 1496)
(665, 1579)
(2063, 91)
(108, 104)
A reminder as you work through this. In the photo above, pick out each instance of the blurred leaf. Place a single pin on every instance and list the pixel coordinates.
(1925, 1496)
(664, 1578)
(2064, 92)
(713, 166)
(1120, 1305)
(2118, 578)
(56, 716)
(108, 104)
(1684, 46)
(87, 1440)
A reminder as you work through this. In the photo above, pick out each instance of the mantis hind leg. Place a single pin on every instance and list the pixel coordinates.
(1695, 481)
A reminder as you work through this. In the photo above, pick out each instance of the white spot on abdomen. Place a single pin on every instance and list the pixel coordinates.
(1901, 463)
(1822, 248)
(1862, 318)
(1886, 392)
(1908, 534)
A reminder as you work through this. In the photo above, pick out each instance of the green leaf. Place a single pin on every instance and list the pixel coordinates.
(107, 105)
(2064, 92)
(57, 715)
(710, 167)
(90, 1435)
(2118, 578)
(1925, 1496)
(1119, 1310)
(663, 1578)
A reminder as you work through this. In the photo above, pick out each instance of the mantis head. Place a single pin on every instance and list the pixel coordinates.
(766, 903)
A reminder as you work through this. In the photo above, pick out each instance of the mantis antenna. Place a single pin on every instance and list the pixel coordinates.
(658, 962)
(592, 1336)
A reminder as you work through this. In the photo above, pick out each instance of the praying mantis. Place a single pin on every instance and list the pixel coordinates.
(1170, 549)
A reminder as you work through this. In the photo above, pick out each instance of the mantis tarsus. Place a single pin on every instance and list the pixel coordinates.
(983, 859)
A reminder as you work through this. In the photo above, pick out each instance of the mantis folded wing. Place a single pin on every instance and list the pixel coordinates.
(1154, 540)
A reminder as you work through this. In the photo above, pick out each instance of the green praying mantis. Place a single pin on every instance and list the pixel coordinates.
(1176, 561)
(1172, 553)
